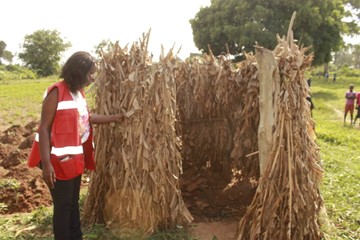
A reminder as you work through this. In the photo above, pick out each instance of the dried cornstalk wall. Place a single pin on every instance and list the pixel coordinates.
(214, 108)
(136, 184)
(218, 105)
(287, 201)
(246, 117)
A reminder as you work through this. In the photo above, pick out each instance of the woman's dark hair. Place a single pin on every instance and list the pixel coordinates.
(76, 69)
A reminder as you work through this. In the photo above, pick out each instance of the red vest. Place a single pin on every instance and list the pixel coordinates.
(68, 155)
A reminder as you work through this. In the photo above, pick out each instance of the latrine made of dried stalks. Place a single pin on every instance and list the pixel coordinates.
(201, 113)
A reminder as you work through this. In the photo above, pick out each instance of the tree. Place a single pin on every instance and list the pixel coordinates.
(4, 54)
(103, 45)
(348, 56)
(42, 51)
(355, 5)
(239, 24)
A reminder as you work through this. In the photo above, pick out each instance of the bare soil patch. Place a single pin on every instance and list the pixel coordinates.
(21, 188)
(216, 204)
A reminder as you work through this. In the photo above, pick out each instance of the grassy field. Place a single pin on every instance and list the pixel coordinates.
(20, 102)
(340, 155)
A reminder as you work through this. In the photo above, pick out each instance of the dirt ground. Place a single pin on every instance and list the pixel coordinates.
(216, 205)
(21, 188)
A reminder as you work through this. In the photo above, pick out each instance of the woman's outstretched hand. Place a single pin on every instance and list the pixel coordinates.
(99, 119)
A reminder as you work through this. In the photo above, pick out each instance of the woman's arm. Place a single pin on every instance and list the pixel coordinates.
(99, 119)
(47, 117)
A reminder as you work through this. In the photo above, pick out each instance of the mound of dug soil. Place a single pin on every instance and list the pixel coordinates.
(21, 187)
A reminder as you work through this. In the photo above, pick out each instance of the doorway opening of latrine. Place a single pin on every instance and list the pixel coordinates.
(214, 186)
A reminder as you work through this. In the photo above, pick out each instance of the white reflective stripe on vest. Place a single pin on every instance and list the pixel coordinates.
(37, 137)
(73, 150)
(45, 94)
(66, 105)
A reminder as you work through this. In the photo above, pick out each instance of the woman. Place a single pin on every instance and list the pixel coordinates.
(63, 144)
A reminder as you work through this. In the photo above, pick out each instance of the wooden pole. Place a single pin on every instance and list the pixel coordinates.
(269, 84)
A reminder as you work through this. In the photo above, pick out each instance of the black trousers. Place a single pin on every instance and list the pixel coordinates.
(66, 214)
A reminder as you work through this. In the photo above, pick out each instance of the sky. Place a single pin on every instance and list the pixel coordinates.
(85, 23)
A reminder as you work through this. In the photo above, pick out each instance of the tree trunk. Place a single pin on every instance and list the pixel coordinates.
(326, 68)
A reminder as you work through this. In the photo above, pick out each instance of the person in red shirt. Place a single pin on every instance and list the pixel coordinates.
(357, 107)
(349, 105)
(63, 143)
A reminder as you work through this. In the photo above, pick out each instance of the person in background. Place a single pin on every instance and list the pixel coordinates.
(326, 76)
(334, 78)
(63, 145)
(309, 82)
(349, 105)
(357, 107)
(312, 106)
(308, 98)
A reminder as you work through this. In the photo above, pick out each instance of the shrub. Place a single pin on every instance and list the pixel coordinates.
(16, 72)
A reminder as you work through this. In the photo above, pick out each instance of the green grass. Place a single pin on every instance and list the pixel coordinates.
(38, 225)
(340, 155)
(20, 100)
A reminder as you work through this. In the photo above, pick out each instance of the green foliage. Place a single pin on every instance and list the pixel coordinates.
(13, 72)
(240, 24)
(4, 54)
(349, 72)
(99, 231)
(9, 184)
(348, 56)
(344, 74)
(42, 51)
(103, 45)
(2, 47)
(36, 225)
(41, 217)
(355, 7)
